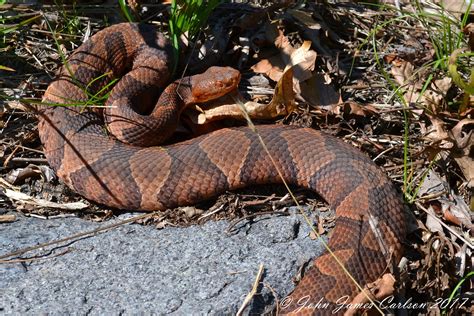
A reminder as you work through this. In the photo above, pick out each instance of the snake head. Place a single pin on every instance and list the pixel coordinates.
(214, 83)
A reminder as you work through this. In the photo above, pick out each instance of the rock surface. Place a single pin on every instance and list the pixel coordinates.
(134, 268)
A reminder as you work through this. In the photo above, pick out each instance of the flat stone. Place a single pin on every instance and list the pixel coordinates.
(134, 268)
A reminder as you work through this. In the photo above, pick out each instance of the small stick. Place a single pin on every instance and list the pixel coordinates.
(444, 225)
(252, 293)
(76, 236)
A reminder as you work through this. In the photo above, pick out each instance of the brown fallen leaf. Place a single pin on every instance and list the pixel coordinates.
(378, 290)
(459, 141)
(402, 71)
(433, 185)
(315, 88)
(463, 136)
(469, 31)
(191, 211)
(249, 20)
(282, 103)
(18, 175)
(353, 108)
(432, 224)
(437, 133)
(455, 7)
(302, 59)
(317, 92)
(274, 66)
(450, 217)
(432, 98)
(321, 229)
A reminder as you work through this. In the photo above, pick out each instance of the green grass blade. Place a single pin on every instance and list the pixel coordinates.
(456, 288)
(125, 11)
(188, 16)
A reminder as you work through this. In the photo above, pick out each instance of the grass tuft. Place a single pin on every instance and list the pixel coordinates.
(71, 24)
(447, 38)
(187, 18)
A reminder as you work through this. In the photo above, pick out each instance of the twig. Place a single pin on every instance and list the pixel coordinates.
(22, 147)
(383, 153)
(28, 159)
(410, 164)
(79, 235)
(377, 140)
(7, 218)
(9, 157)
(242, 218)
(252, 293)
(35, 258)
(468, 243)
(259, 202)
(25, 198)
(211, 213)
(431, 196)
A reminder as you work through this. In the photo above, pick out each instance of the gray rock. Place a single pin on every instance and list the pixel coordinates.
(135, 269)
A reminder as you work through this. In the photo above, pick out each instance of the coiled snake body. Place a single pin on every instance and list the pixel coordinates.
(129, 176)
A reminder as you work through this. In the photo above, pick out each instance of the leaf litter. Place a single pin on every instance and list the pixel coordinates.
(328, 66)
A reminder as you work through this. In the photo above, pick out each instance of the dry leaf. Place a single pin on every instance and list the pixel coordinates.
(455, 7)
(311, 28)
(302, 59)
(450, 217)
(432, 224)
(402, 71)
(353, 108)
(191, 211)
(437, 133)
(456, 211)
(16, 176)
(443, 85)
(313, 235)
(315, 89)
(463, 137)
(317, 93)
(469, 31)
(432, 98)
(378, 290)
(282, 103)
(22, 200)
(433, 185)
(272, 67)
(459, 141)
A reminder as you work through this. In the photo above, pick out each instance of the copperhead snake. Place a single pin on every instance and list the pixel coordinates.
(118, 171)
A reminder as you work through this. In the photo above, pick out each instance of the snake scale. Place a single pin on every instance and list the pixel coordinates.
(119, 171)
